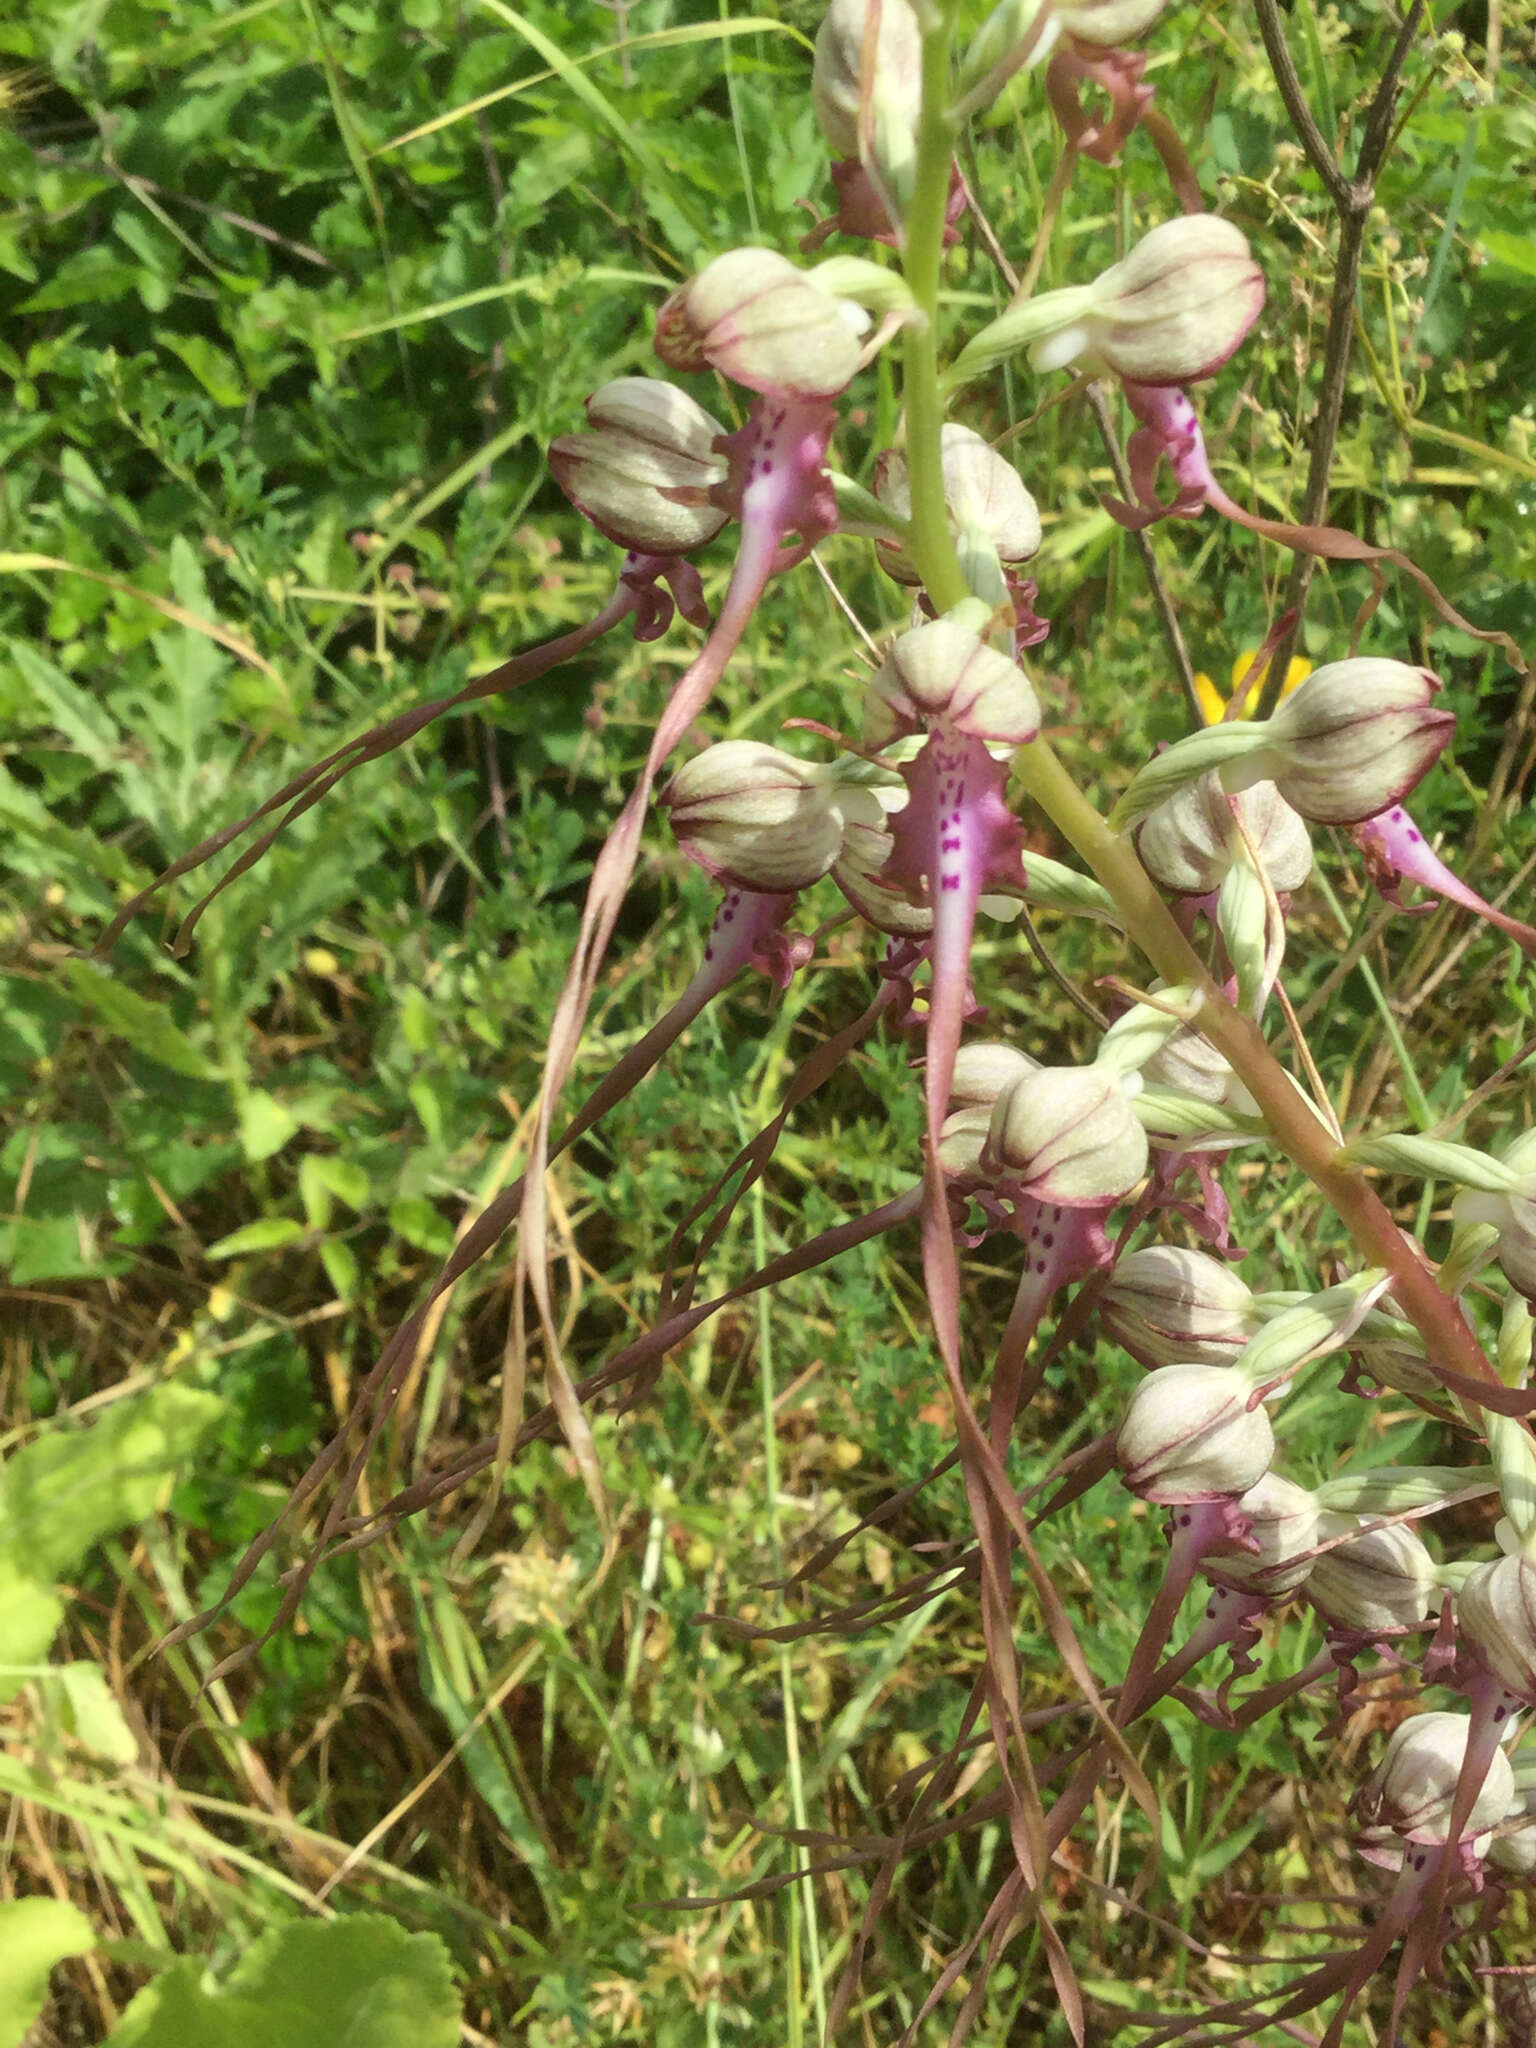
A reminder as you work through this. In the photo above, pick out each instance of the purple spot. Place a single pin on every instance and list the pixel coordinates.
(949, 845)
(951, 882)
(1414, 834)
(1049, 1240)
(1499, 1713)
(1040, 1268)
(709, 952)
(727, 916)
(1184, 1521)
(767, 469)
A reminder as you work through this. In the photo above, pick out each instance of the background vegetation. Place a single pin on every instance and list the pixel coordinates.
(295, 296)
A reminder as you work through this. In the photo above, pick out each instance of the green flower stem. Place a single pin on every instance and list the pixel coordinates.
(931, 546)
(1300, 1135)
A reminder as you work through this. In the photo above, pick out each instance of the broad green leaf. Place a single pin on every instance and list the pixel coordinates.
(146, 1025)
(91, 277)
(30, 1614)
(217, 372)
(361, 1982)
(89, 1711)
(66, 1247)
(1515, 252)
(270, 1234)
(34, 1935)
(62, 1493)
(341, 1177)
(266, 1125)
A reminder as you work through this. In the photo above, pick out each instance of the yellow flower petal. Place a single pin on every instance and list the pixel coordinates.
(1296, 672)
(1212, 703)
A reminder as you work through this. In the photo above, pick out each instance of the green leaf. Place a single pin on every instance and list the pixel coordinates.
(1515, 252)
(361, 1982)
(341, 1269)
(217, 372)
(34, 1935)
(147, 1026)
(71, 710)
(91, 277)
(266, 1125)
(67, 1247)
(268, 1235)
(62, 1493)
(415, 1219)
(89, 1711)
(341, 1177)
(30, 1614)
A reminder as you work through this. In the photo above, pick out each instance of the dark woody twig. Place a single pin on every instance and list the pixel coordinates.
(1352, 199)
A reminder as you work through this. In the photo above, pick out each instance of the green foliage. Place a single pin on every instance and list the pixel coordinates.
(361, 1982)
(63, 1493)
(293, 298)
(34, 1935)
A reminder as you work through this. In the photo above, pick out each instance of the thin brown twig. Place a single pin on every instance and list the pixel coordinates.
(1352, 201)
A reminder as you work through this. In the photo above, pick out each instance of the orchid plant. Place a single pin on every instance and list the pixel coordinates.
(1107, 1177)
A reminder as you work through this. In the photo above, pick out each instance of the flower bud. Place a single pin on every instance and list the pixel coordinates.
(1398, 1361)
(982, 1071)
(1352, 741)
(1516, 1853)
(1067, 1135)
(943, 671)
(1413, 1788)
(1190, 842)
(1390, 1489)
(1379, 1582)
(866, 849)
(1190, 1435)
(1107, 24)
(1193, 1066)
(1282, 1520)
(992, 54)
(644, 474)
(1166, 1303)
(1496, 1613)
(1512, 1213)
(895, 78)
(1171, 311)
(756, 818)
(984, 497)
(758, 320)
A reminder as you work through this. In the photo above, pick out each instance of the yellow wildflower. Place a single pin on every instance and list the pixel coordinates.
(1213, 704)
